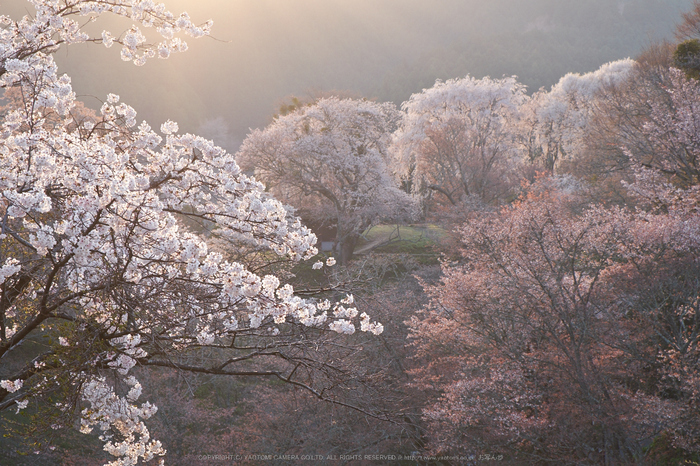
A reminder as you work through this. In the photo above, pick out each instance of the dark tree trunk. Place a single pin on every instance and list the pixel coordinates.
(347, 246)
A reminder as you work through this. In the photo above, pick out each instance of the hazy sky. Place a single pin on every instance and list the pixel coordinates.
(266, 50)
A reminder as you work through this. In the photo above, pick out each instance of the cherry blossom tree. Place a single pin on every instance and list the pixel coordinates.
(619, 114)
(330, 161)
(673, 130)
(555, 122)
(667, 187)
(95, 257)
(574, 327)
(523, 322)
(456, 141)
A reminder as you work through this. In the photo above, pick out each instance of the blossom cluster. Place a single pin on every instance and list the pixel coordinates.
(110, 411)
(55, 23)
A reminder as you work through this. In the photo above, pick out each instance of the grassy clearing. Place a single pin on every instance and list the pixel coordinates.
(417, 239)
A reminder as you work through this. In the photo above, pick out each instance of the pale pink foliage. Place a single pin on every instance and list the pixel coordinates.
(554, 124)
(331, 158)
(457, 141)
(562, 327)
(674, 133)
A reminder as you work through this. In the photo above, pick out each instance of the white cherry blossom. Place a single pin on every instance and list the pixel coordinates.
(91, 230)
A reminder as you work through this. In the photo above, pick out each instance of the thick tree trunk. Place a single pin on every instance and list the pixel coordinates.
(347, 246)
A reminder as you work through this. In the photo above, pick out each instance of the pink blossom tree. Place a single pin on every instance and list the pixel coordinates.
(457, 142)
(555, 122)
(673, 130)
(567, 332)
(573, 327)
(524, 317)
(331, 161)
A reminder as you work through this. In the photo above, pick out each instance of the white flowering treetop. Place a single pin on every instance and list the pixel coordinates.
(456, 141)
(554, 123)
(333, 155)
(92, 251)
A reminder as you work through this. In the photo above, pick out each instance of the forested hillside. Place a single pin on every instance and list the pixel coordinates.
(484, 273)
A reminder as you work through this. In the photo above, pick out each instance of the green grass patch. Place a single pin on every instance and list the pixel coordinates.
(418, 239)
